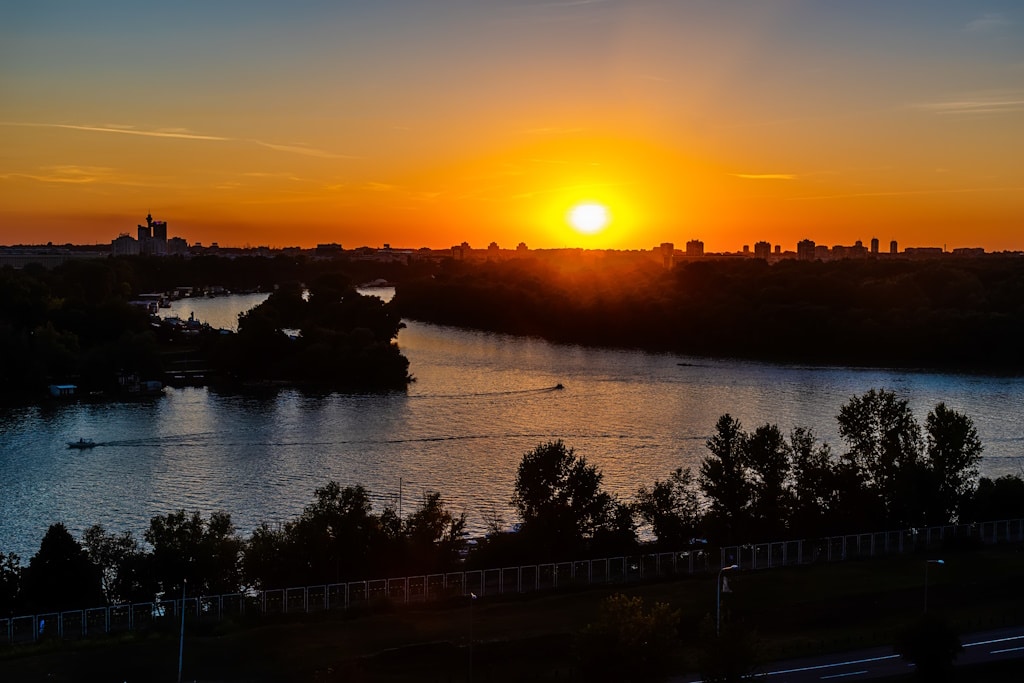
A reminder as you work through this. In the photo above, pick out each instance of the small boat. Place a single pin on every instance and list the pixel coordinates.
(82, 444)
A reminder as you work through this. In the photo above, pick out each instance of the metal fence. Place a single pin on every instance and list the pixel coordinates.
(490, 582)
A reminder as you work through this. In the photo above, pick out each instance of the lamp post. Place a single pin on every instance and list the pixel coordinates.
(472, 599)
(926, 563)
(181, 638)
(718, 598)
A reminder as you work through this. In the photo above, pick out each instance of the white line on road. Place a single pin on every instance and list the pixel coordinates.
(830, 666)
(989, 642)
(1009, 649)
(852, 673)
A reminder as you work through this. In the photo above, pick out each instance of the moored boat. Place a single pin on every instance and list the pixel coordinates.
(82, 444)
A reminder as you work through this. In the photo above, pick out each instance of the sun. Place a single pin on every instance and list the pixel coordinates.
(589, 218)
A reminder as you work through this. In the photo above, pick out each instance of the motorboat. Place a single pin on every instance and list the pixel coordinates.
(82, 444)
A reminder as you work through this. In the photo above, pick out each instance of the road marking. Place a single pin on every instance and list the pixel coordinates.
(990, 642)
(831, 666)
(1009, 649)
(852, 673)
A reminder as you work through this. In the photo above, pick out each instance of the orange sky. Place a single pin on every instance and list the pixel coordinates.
(428, 124)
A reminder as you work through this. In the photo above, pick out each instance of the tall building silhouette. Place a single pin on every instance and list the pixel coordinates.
(805, 250)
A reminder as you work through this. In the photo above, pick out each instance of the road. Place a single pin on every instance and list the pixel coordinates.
(880, 662)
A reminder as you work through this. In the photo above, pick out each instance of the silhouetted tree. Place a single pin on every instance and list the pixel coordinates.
(10, 582)
(122, 565)
(269, 561)
(767, 458)
(953, 453)
(815, 496)
(559, 498)
(60, 576)
(434, 535)
(205, 553)
(671, 508)
(724, 481)
(1000, 498)
(885, 448)
(335, 535)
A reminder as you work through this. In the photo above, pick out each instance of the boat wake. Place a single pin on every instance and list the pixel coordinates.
(484, 394)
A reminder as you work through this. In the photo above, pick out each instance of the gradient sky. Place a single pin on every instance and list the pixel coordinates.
(430, 122)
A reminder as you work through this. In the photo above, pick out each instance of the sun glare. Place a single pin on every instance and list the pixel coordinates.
(588, 218)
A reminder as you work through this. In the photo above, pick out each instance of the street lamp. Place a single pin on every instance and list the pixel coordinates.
(926, 563)
(718, 598)
(181, 637)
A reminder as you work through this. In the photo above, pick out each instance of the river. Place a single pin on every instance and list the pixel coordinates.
(479, 402)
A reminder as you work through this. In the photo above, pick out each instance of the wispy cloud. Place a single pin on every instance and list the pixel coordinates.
(765, 176)
(301, 149)
(982, 105)
(121, 130)
(182, 134)
(987, 23)
(70, 174)
(901, 193)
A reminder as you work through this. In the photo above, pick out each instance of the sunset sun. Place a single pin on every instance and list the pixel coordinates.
(588, 218)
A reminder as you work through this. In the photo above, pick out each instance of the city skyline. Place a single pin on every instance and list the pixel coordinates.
(431, 124)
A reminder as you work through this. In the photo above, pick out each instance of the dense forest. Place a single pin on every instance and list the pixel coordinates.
(759, 485)
(75, 324)
(951, 313)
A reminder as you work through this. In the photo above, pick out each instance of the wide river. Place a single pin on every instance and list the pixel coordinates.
(479, 402)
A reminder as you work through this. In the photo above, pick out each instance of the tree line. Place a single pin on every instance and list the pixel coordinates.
(75, 324)
(751, 486)
(962, 313)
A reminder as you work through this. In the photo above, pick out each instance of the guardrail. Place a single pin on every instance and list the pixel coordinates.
(488, 582)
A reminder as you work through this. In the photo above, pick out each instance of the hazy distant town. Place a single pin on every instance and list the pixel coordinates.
(152, 239)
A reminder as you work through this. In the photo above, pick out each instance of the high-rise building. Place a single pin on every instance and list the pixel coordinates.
(124, 245)
(667, 251)
(694, 248)
(892, 248)
(805, 250)
(762, 250)
(874, 246)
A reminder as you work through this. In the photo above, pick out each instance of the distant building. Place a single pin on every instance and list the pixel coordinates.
(969, 251)
(177, 246)
(151, 241)
(694, 248)
(805, 250)
(124, 245)
(762, 250)
(874, 246)
(892, 248)
(667, 251)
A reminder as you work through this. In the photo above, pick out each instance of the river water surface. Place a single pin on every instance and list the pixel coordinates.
(478, 403)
